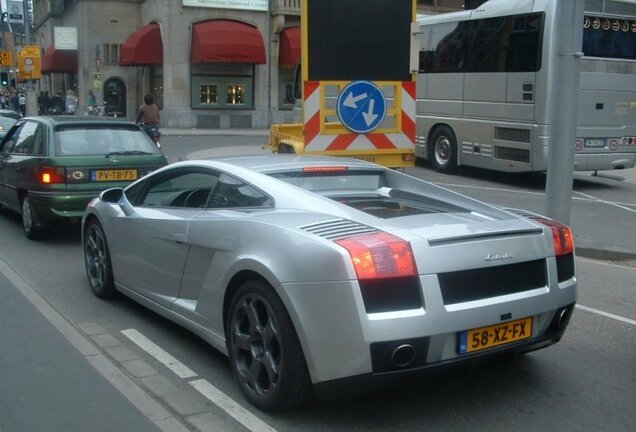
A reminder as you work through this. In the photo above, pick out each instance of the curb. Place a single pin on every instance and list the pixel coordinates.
(604, 254)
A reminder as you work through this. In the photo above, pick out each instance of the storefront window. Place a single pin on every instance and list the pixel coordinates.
(235, 94)
(156, 84)
(209, 94)
(286, 87)
(229, 85)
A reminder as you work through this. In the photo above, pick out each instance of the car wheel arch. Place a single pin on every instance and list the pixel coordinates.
(233, 285)
(32, 224)
(246, 275)
(295, 383)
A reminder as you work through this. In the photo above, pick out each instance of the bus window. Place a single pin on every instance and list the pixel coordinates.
(607, 38)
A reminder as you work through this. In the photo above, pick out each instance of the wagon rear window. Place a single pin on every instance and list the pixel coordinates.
(96, 141)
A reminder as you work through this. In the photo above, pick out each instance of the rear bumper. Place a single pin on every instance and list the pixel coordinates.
(61, 205)
(605, 161)
(354, 386)
(341, 340)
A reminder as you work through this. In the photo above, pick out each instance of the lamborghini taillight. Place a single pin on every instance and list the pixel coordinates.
(379, 255)
(561, 235)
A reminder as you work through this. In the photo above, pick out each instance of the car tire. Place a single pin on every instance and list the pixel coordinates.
(265, 353)
(30, 220)
(99, 269)
(443, 152)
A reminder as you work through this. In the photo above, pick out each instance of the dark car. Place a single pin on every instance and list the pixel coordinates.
(51, 167)
(10, 114)
(5, 124)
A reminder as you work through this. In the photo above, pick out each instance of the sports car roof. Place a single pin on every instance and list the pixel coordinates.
(282, 162)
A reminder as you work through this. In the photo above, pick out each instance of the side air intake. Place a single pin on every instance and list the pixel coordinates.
(338, 228)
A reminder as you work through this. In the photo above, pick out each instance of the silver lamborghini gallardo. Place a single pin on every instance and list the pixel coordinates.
(313, 273)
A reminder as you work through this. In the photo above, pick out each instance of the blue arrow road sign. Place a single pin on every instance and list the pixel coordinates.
(361, 106)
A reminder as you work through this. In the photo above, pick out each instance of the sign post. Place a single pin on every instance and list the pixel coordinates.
(29, 62)
(6, 58)
(361, 106)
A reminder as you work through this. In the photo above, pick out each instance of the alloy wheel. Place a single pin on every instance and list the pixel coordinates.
(256, 345)
(96, 257)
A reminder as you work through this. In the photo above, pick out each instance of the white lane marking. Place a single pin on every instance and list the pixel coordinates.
(158, 353)
(593, 198)
(514, 191)
(227, 404)
(583, 197)
(607, 314)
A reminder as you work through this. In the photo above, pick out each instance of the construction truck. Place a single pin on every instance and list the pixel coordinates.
(356, 81)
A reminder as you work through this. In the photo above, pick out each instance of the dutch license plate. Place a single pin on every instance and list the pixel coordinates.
(495, 335)
(115, 175)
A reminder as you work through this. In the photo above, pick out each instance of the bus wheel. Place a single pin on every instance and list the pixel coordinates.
(443, 153)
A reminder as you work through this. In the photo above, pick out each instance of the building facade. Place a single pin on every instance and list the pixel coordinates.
(208, 63)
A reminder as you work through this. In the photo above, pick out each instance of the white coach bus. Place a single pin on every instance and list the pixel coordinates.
(485, 78)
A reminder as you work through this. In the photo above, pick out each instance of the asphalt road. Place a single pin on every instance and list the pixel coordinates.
(587, 382)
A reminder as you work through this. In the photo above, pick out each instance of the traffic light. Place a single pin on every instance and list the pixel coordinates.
(4, 78)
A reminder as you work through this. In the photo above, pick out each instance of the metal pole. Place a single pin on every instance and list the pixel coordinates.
(25, 17)
(269, 63)
(564, 98)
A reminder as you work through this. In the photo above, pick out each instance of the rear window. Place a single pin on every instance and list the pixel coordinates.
(324, 181)
(6, 123)
(100, 140)
(368, 191)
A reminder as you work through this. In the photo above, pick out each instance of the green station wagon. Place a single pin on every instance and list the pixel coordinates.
(51, 167)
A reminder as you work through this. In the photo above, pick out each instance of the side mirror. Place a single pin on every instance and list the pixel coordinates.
(112, 196)
(118, 197)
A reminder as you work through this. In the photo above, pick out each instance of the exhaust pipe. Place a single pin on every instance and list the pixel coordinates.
(402, 355)
(564, 318)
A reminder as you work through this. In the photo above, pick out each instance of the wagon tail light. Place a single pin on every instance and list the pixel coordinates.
(51, 175)
(561, 235)
(379, 256)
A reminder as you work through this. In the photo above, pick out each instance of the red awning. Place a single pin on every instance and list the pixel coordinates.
(289, 53)
(56, 60)
(143, 47)
(223, 41)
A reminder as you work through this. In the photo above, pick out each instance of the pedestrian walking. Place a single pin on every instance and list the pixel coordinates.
(15, 102)
(47, 103)
(40, 101)
(22, 104)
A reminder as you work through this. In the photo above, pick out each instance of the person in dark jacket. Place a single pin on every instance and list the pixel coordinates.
(148, 114)
(15, 102)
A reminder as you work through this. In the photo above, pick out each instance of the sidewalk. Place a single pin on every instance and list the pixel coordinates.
(51, 384)
(213, 132)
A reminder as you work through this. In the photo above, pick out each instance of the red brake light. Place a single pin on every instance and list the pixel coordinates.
(562, 236)
(52, 175)
(379, 255)
(325, 168)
